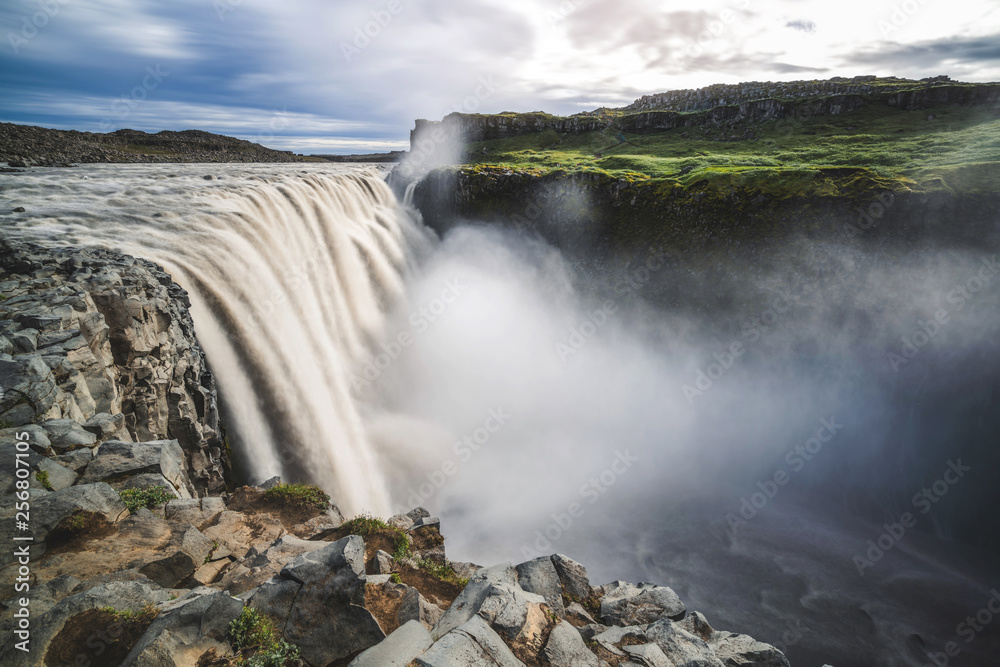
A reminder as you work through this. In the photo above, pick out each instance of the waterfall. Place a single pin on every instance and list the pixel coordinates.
(290, 276)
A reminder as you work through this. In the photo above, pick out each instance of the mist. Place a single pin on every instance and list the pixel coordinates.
(773, 420)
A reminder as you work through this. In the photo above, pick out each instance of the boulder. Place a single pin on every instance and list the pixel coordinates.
(627, 604)
(539, 576)
(517, 616)
(415, 607)
(59, 477)
(99, 498)
(471, 599)
(115, 461)
(565, 648)
(680, 646)
(67, 435)
(263, 561)
(572, 576)
(29, 390)
(186, 629)
(275, 597)
(76, 460)
(328, 620)
(199, 512)
(106, 426)
(735, 650)
(649, 655)
(399, 649)
(472, 644)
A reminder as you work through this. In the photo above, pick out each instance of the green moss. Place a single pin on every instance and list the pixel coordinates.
(141, 616)
(135, 499)
(6, 423)
(303, 495)
(43, 478)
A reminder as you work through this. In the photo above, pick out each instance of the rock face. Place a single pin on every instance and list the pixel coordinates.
(115, 358)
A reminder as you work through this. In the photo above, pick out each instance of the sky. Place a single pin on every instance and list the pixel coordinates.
(350, 76)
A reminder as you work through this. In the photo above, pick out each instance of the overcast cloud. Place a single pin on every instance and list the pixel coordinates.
(304, 75)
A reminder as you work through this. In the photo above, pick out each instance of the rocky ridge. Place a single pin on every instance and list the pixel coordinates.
(29, 146)
(142, 556)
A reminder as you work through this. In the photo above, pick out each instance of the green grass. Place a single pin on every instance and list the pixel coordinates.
(135, 499)
(303, 495)
(887, 143)
(257, 642)
(442, 571)
(144, 615)
(365, 525)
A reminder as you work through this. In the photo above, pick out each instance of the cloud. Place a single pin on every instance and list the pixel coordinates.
(803, 26)
(938, 53)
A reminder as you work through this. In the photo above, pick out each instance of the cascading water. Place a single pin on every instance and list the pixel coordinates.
(290, 273)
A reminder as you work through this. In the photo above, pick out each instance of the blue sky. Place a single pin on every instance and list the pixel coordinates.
(335, 76)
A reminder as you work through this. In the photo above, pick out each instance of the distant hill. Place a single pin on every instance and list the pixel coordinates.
(27, 145)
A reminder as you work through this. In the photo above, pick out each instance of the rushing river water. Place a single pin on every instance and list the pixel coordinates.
(540, 407)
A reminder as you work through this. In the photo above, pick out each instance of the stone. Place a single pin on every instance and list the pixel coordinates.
(66, 435)
(328, 620)
(45, 627)
(539, 576)
(76, 460)
(649, 655)
(472, 644)
(271, 483)
(199, 512)
(613, 636)
(471, 599)
(115, 460)
(415, 607)
(59, 476)
(565, 648)
(383, 562)
(106, 426)
(186, 629)
(680, 646)
(400, 648)
(262, 561)
(735, 650)
(29, 390)
(275, 596)
(572, 576)
(170, 572)
(48, 511)
(577, 615)
(627, 604)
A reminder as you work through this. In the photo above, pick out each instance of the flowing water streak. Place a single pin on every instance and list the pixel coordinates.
(289, 276)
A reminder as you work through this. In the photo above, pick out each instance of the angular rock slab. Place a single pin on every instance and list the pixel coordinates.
(565, 648)
(328, 620)
(472, 644)
(115, 461)
(539, 576)
(680, 646)
(185, 629)
(573, 576)
(736, 650)
(627, 604)
(398, 649)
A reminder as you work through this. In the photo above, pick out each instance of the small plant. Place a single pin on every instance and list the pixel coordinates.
(142, 616)
(394, 578)
(304, 495)
(365, 525)
(135, 499)
(75, 523)
(442, 571)
(257, 642)
(215, 547)
(43, 478)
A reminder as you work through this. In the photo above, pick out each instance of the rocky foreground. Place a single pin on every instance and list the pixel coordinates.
(126, 543)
